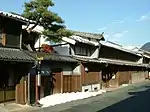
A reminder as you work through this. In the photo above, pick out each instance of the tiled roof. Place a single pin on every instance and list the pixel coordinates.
(52, 57)
(88, 35)
(10, 54)
(15, 16)
(111, 61)
(123, 62)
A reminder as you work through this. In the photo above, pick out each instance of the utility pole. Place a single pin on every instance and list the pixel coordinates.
(38, 79)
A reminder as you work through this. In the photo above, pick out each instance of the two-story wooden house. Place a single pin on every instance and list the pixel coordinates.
(100, 64)
(59, 73)
(105, 62)
(14, 63)
(85, 48)
(78, 45)
(123, 66)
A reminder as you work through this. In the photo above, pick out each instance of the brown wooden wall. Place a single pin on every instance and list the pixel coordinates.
(20, 92)
(51, 84)
(61, 83)
(71, 83)
(124, 77)
(111, 53)
(58, 77)
(90, 77)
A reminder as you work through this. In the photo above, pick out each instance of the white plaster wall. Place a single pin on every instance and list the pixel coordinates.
(42, 40)
(140, 60)
(95, 86)
(86, 87)
(62, 50)
(77, 70)
(72, 51)
(95, 54)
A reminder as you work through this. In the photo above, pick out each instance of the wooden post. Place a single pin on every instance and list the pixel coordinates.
(100, 79)
(25, 91)
(36, 89)
(3, 37)
(38, 83)
(61, 82)
(28, 88)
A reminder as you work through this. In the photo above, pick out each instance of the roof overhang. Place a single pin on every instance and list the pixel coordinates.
(110, 61)
(75, 39)
(10, 54)
(15, 17)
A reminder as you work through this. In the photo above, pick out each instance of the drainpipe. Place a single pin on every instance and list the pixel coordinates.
(100, 72)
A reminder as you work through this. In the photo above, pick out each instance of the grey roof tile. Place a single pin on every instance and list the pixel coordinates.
(111, 61)
(88, 35)
(15, 16)
(11, 54)
(52, 57)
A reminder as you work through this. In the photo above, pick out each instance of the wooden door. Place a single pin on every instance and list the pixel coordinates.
(57, 81)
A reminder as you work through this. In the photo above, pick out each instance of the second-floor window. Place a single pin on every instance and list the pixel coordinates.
(83, 51)
(12, 33)
(12, 40)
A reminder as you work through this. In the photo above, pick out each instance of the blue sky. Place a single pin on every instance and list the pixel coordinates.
(124, 21)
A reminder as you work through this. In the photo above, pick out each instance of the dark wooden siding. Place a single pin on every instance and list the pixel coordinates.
(11, 30)
(111, 53)
(146, 60)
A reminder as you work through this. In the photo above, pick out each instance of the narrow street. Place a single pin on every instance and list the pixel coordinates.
(134, 98)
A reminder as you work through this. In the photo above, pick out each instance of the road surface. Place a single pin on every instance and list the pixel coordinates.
(134, 98)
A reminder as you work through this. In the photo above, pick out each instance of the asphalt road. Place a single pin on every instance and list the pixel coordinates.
(134, 98)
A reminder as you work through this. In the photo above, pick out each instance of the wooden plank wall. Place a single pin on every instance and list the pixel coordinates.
(20, 92)
(90, 77)
(57, 81)
(124, 77)
(71, 83)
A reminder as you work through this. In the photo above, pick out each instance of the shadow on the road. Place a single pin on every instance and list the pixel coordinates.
(138, 102)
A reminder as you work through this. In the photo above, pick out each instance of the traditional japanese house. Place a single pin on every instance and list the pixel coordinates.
(104, 63)
(85, 48)
(81, 44)
(14, 63)
(123, 66)
(100, 64)
(58, 74)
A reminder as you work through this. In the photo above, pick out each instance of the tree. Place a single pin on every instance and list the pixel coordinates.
(38, 10)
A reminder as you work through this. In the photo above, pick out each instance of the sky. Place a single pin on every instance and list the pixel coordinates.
(126, 22)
